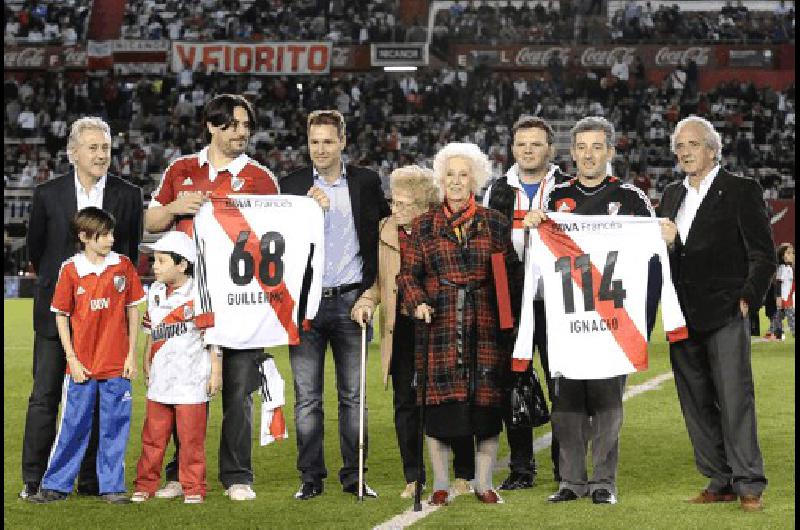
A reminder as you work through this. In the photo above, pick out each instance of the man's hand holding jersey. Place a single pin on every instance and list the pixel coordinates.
(319, 196)
(188, 203)
(534, 218)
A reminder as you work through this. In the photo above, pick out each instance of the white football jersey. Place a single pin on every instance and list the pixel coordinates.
(259, 268)
(180, 365)
(596, 271)
(786, 276)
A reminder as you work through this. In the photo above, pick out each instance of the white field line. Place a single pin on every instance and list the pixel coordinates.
(409, 517)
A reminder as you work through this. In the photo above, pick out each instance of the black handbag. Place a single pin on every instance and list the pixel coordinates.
(528, 405)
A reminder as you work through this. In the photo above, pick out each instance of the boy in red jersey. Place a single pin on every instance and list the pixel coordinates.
(95, 303)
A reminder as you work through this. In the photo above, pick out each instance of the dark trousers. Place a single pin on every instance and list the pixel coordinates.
(520, 439)
(333, 326)
(714, 380)
(240, 378)
(49, 366)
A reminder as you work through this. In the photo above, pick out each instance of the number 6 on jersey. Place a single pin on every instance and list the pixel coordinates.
(270, 268)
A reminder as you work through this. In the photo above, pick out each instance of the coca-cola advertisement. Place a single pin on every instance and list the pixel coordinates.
(537, 57)
(44, 57)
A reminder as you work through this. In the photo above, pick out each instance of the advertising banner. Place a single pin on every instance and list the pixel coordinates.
(399, 54)
(44, 57)
(263, 58)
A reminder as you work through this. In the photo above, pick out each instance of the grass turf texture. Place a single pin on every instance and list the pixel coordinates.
(656, 465)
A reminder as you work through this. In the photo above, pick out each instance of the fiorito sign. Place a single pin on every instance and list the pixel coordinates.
(539, 57)
(273, 58)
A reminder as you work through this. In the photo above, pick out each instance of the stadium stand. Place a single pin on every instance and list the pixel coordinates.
(395, 118)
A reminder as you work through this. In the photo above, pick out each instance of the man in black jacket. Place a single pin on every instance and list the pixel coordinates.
(524, 188)
(722, 258)
(354, 203)
(49, 245)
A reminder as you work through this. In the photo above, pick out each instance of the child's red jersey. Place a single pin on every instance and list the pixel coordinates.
(96, 298)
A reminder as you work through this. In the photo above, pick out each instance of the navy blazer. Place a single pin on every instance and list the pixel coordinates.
(369, 206)
(50, 241)
(729, 254)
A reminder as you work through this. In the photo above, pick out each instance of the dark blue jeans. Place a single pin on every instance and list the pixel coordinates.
(333, 326)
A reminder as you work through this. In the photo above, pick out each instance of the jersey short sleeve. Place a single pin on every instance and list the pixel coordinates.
(165, 193)
(134, 295)
(63, 295)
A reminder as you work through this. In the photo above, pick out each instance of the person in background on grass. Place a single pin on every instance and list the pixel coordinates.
(722, 259)
(95, 303)
(785, 291)
(445, 280)
(180, 373)
(414, 192)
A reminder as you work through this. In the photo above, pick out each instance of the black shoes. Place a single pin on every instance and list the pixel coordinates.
(518, 481)
(353, 488)
(563, 495)
(308, 490)
(603, 496)
(47, 496)
(30, 489)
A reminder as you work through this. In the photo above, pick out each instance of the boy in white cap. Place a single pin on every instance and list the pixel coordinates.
(181, 374)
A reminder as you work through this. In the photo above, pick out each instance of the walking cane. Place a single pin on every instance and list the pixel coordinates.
(425, 328)
(361, 392)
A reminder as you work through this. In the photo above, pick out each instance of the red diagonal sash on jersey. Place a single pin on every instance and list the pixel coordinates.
(233, 223)
(176, 315)
(627, 335)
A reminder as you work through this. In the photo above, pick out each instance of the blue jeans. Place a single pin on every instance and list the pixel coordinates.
(331, 325)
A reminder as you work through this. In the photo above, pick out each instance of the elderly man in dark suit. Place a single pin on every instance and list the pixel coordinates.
(722, 258)
(354, 203)
(50, 244)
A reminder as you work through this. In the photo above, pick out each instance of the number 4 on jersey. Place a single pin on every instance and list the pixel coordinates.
(609, 289)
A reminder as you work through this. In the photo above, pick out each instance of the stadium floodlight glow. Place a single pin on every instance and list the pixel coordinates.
(399, 68)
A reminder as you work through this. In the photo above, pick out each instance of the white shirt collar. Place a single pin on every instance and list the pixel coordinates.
(100, 185)
(705, 184)
(512, 175)
(184, 290)
(234, 167)
(86, 267)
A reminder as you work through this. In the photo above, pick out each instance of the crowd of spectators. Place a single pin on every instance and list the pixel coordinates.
(586, 22)
(396, 119)
(340, 21)
(45, 21)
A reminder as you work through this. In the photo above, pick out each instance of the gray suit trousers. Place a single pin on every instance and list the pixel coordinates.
(715, 388)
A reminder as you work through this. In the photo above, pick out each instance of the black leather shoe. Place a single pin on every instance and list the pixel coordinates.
(30, 489)
(47, 496)
(308, 490)
(353, 488)
(563, 495)
(517, 481)
(603, 497)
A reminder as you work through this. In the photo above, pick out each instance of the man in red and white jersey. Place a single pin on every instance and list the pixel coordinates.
(220, 169)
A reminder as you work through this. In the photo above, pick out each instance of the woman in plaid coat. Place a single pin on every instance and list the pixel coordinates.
(446, 279)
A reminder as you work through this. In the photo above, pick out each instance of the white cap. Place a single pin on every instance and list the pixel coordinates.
(177, 242)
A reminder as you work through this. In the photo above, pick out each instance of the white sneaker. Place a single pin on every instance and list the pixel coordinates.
(461, 486)
(193, 499)
(241, 492)
(172, 490)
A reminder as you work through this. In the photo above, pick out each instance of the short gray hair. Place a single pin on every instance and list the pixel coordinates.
(593, 123)
(481, 166)
(712, 137)
(84, 124)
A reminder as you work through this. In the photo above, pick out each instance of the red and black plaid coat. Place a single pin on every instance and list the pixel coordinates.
(433, 252)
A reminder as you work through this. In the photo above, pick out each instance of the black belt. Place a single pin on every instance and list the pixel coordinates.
(329, 292)
(465, 295)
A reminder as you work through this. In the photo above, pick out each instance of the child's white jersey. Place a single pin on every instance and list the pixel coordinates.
(596, 274)
(259, 268)
(786, 276)
(180, 366)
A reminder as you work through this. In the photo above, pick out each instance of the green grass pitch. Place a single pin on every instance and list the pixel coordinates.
(656, 466)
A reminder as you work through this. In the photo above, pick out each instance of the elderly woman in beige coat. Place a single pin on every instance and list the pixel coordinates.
(413, 191)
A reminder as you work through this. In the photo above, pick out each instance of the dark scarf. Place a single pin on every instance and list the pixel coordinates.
(461, 217)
